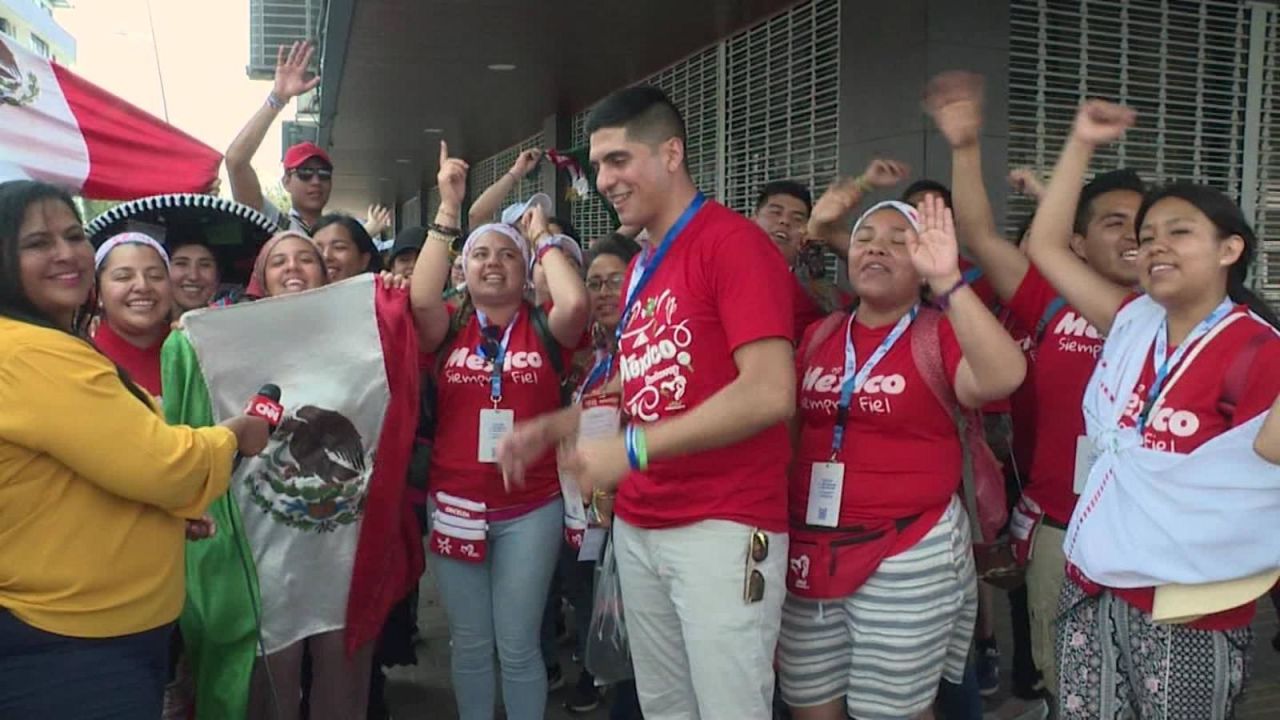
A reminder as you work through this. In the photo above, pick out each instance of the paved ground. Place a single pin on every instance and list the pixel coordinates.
(423, 692)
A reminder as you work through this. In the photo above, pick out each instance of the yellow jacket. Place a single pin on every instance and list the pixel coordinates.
(94, 490)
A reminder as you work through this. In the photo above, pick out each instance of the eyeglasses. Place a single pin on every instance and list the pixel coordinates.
(308, 174)
(611, 283)
(753, 579)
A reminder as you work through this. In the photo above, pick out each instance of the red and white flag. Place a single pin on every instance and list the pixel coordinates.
(59, 128)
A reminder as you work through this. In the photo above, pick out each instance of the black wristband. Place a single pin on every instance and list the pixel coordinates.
(446, 231)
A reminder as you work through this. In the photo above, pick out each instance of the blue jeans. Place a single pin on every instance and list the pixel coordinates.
(55, 677)
(961, 702)
(499, 603)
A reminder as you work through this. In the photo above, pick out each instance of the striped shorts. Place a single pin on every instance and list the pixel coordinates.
(886, 647)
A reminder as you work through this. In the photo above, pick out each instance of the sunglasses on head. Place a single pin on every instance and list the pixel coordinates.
(308, 174)
(753, 581)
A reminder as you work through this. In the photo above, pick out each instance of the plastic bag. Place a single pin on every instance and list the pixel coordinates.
(608, 655)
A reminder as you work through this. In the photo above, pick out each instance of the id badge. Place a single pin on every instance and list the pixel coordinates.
(601, 418)
(592, 544)
(1086, 456)
(494, 424)
(826, 485)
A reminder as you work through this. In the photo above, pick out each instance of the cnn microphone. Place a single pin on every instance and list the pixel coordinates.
(266, 405)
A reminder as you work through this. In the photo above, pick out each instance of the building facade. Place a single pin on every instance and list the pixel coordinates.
(31, 23)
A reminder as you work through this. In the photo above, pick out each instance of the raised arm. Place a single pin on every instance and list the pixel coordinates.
(569, 307)
(1049, 239)
(829, 221)
(954, 101)
(993, 365)
(431, 271)
(291, 81)
(489, 203)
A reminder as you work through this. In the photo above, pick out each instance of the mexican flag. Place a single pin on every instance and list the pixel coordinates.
(59, 128)
(316, 534)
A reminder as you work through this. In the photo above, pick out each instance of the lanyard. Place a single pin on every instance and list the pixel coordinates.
(495, 375)
(852, 381)
(1163, 363)
(598, 374)
(647, 265)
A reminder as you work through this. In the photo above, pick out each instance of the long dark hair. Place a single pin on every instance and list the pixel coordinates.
(15, 198)
(364, 243)
(1229, 220)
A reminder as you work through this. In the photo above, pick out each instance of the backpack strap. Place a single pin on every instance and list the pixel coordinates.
(926, 352)
(542, 327)
(1050, 311)
(1238, 374)
(824, 330)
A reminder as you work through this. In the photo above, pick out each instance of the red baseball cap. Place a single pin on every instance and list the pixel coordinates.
(302, 152)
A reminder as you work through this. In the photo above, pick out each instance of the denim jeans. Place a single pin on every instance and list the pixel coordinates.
(54, 677)
(498, 604)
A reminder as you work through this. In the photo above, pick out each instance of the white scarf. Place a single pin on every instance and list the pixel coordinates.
(1150, 518)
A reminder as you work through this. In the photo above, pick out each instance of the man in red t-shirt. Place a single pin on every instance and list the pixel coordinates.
(1067, 346)
(782, 212)
(705, 360)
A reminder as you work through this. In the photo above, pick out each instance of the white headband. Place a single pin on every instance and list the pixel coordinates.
(128, 238)
(502, 229)
(910, 213)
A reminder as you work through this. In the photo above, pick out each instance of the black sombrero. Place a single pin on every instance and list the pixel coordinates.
(234, 232)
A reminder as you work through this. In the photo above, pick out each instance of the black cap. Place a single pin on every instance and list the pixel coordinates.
(409, 238)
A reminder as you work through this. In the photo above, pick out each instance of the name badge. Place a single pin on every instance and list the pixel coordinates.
(826, 486)
(494, 425)
(1086, 456)
(592, 544)
(599, 419)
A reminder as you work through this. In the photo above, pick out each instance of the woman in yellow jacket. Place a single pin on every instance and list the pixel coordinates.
(95, 488)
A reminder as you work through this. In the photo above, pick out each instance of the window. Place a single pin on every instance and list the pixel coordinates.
(40, 46)
(4, 27)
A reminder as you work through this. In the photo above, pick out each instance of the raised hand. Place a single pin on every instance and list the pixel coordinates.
(534, 224)
(525, 162)
(1099, 122)
(291, 71)
(934, 251)
(954, 101)
(883, 173)
(452, 177)
(377, 219)
(392, 281)
(1024, 181)
(835, 205)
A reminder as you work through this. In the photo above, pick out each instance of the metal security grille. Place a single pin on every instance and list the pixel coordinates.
(487, 171)
(1266, 199)
(760, 105)
(1183, 64)
(273, 23)
(692, 85)
(782, 103)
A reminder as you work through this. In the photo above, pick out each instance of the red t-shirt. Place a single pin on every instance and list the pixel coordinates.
(901, 451)
(1065, 356)
(714, 293)
(142, 364)
(806, 308)
(1189, 417)
(529, 387)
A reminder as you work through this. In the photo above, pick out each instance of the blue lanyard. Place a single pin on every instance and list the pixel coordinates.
(852, 381)
(647, 265)
(495, 375)
(1163, 363)
(597, 374)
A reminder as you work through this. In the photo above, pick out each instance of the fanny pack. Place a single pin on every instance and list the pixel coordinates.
(459, 529)
(829, 563)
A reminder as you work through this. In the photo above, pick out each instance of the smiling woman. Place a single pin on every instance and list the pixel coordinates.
(135, 296)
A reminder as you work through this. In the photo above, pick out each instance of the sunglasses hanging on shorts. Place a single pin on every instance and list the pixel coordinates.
(308, 174)
(753, 580)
